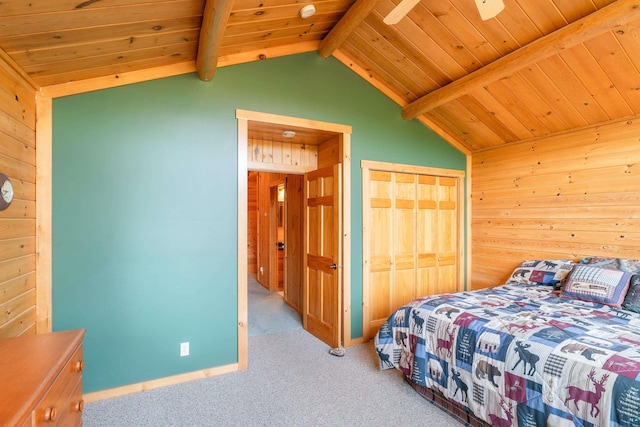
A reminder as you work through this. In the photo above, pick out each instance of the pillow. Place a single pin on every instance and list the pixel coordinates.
(629, 265)
(632, 300)
(540, 272)
(595, 284)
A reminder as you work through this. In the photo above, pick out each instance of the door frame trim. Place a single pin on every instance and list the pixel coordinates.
(367, 166)
(243, 118)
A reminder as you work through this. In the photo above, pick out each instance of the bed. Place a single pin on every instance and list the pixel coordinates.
(558, 345)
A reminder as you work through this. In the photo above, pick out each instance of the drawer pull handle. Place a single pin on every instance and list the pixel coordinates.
(79, 367)
(80, 406)
(50, 414)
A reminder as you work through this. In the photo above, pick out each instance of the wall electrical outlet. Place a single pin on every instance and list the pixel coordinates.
(184, 349)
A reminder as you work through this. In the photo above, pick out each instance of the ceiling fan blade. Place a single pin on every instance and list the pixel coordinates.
(400, 11)
(489, 8)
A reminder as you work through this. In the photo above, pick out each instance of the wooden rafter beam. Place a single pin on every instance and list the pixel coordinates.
(214, 22)
(614, 15)
(339, 33)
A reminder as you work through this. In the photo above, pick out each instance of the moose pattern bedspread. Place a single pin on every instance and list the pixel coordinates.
(520, 356)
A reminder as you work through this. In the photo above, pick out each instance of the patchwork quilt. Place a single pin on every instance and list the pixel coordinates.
(519, 355)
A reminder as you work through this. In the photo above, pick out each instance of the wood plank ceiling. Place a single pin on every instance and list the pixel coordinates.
(540, 67)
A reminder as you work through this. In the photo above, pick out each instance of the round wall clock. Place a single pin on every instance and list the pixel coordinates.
(6, 192)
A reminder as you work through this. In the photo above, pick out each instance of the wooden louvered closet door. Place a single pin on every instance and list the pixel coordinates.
(412, 241)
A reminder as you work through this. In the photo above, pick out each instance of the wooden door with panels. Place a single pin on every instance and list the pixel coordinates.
(436, 231)
(411, 239)
(294, 217)
(323, 257)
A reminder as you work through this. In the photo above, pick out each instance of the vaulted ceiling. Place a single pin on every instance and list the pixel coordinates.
(540, 67)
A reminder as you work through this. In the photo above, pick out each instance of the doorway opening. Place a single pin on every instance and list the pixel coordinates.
(274, 250)
(321, 156)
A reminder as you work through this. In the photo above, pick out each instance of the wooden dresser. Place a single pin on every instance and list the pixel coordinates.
(41, 380)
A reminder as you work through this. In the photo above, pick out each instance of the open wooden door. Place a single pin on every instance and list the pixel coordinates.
(294, 215)
(322, 303)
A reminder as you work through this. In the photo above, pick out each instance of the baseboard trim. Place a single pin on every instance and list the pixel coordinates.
(353, 341)
(157, 383)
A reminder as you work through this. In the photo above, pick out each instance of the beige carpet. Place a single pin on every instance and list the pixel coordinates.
(268, 313)
(291, 381)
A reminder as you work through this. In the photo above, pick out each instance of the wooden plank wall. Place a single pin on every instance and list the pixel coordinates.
(562, 196)
(265, 181)
(329, 152)
(18, 222)
(252, 223)
(289, 157)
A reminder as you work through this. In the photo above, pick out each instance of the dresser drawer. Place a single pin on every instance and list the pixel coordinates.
(57, 402)
(71, 415)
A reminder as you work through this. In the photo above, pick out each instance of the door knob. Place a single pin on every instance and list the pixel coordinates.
(334, 266)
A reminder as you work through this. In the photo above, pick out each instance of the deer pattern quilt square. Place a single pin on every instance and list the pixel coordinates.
(520, 356)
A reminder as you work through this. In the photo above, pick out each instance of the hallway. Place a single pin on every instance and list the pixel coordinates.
(268, 314)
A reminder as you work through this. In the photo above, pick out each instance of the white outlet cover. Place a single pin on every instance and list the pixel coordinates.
(184, 349)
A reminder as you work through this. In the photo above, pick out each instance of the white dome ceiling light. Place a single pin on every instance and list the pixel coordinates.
(288, 133)
(307, 11)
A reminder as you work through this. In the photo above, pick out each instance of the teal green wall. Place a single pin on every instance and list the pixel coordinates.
(145, 205)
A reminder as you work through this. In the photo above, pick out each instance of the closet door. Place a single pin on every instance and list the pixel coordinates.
(427, 274)
(411, 236)
(379, 233)
(437, 234)
(404, 238)
(447, 242)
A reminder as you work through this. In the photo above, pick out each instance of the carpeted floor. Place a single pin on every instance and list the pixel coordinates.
(292, 381)
(268, 314)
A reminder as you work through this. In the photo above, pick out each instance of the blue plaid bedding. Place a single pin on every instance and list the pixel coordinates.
(520, 355)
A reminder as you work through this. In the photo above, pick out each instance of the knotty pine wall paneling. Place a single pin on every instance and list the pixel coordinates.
(329, 153)
(563, 196)
(252, 223)
(18, 222)
(265, 181)
(284, 156)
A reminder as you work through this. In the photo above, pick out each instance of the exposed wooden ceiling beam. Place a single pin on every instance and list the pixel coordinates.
(339, 33)
(614, 15)
(214, 21)
(426, 120)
